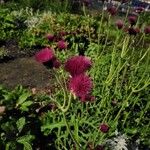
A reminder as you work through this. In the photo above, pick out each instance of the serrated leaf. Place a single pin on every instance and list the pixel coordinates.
(27, 103)
(23, 98)
(27, 146)
(26, 138)
(20, 124)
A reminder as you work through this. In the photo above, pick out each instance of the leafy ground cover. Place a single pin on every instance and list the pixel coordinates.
(99, 93)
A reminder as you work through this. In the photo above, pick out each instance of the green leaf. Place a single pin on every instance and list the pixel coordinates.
(25, 105)
(27, 146)
(20, 124)
(23, 98)
(26, 138)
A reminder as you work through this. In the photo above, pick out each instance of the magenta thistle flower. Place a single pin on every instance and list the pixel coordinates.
(77, 65)
(80, 85)
(47, 58)
(112, 10)
(133, 31)
(104, 128)
(50, 37)
(62, 45)
(132, 20)
(147, 30)
(119, 24)
(44, 55)
(56, 63)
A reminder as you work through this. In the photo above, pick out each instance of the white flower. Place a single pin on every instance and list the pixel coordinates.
(118, 142)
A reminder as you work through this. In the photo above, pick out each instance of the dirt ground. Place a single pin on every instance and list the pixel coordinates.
(26, 72)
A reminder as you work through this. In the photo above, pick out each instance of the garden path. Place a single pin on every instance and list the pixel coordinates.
(26, 72)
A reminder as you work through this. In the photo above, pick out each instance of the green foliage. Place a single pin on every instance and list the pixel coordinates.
(120, 72)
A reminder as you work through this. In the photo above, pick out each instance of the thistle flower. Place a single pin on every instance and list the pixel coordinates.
(112, 10)
(44, 55)
(56, 63)
(77, 65)
(133, 31)
(47, 58)
(104, 128)
(50, 37)
(147, 30)
(119, 24)
(80, 85)
(132, 20)
(62, 45)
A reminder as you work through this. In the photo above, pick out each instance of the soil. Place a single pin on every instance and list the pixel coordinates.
(20, 68)
(26, 72)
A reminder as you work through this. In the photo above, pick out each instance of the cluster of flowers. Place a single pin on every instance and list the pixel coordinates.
(79, 84)
(59, 39)
(131, 29)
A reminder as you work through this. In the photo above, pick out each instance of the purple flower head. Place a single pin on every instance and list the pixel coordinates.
(132, 20)
(133, 31)
(62, 45)
(44, 55)
(77, 65)
(112, 10)
(56, 63)
(104, 128)
(50, 37)
(80, 85)
(47, 58)
(119, 24)
(147, 30)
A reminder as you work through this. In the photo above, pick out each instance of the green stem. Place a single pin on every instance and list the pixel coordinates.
(78, 146)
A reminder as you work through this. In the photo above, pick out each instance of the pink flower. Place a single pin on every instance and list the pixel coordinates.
(132, 20)
(50, 37)
(44, 55)
(147, 30)
(47, 58)
(133, 31)
(104, 128)
(62, 44)
(119, 24)
(77, 65)
(80, 85)
(56, 63)
(112, 10)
